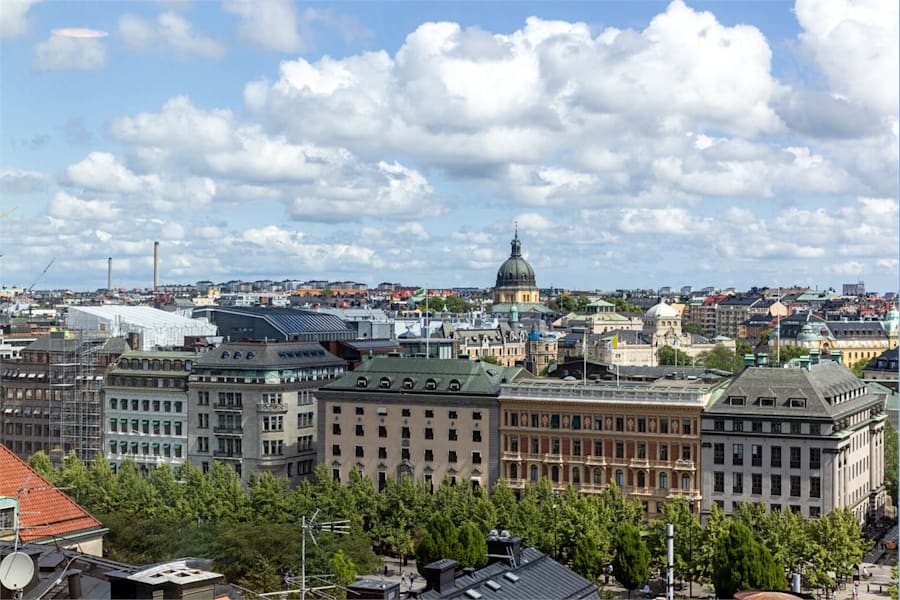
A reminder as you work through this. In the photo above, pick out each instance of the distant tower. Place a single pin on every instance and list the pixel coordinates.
(155, 265)
(109, 273)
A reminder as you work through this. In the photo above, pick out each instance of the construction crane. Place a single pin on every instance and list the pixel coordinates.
(39, 277)
(7, 213)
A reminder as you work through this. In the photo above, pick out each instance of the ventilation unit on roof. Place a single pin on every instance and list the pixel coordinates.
(492, 584)
(474, 594)
(511, 576)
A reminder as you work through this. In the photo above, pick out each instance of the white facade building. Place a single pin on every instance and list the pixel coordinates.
(155, 328)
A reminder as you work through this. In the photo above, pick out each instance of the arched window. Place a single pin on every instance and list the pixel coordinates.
(663, 481)
(576, 475)
(685, 482)
(513, 471)
(641, 479)
(554, 473)
(598, 476)
(534, 473)
(619, 478)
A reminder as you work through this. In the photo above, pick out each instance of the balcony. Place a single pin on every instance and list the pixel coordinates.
(639, 463)
(228, 407)
(271, 407)
(508, 455)
(227, 454)
(229, 430)
(684, 464)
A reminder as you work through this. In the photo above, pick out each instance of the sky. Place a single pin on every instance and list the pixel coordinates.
(633, 144)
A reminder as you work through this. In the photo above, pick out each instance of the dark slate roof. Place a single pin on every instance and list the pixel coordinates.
(817, 384)
(886, 361)
(538, 577)
(268, 355)
(366, 345)
(475, 377)
(290, 321)
(740, 300)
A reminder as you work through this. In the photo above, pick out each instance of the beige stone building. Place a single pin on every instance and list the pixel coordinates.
(644, 437)
(414, 417)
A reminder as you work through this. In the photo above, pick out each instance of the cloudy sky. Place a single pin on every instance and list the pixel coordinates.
(637, 144)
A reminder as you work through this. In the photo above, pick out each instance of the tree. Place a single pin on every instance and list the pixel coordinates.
(504, 502)
(631, 562)
(472, 546)
(788, 353)
(455, 304)
(581, 303)
(859, 365)
(587, 557)
(688, 534)
(564, 303)
(841, 539)
(721, 358)
(40, 462)
(890, 459)
(73, 476)
(667, 355)
(623, 306)
(690, 327)
(441, 540)
(493, 360)
(741, 563)
(432, 305)
(344, 571)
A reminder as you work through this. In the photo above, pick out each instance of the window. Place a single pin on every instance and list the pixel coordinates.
(737, 483)
(336, 429)
(476, 435)
(576, 475)
(641, 450)
(663, 481)
(598, 423)
(535, 420)
(641, 479)
(429, 455)
(775, 485)
(513, 443)
(663, 452)
(737, 454)
(554, 446)
(576, 422)
(405, 412)
(815, 429)
(814, 512)
(685, 482)
(620, 424)
(815, 487)
(815, 458)
(360, 453)
(776, 427)
(686, 452)
(554, 421)
(336, 410)
(686, 427)
(451, 414)
(756, 426)
(429, 414)
(795, 486)
(598, 476)
(718, 482)
(775, 459)
(452, 435)
(737, 425)
(534, 473)
(476, 415)
(642, 425)
(429, 433)
(795, 457)
(535, 445)
(382, 431)
(756, 455)
(756, 483)
(576, 447)
(360, 431)
(795, 428)
(775, 508)
(113, 403)
(620, 477)
(178, 404)
(554, 473)
(476, 458)
(719, 425)
(620, 449)
(360, 410)
(451, 456)
(664, 426)
(335, 450)
(404, 433)
(598, 448)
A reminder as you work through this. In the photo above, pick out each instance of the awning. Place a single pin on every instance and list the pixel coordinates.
(145, 421)
(145, 444)
(176, 445)
(167, 423)
(113, 443)
(155, 444)
(166, 445)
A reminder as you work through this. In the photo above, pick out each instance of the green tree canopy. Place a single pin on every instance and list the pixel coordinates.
(588, 556)
(722, 358)
(742, 563)
(667, 355)
(40, 462)
(455, 304)
(472, 546)
(890, 459)
(631, 562)
(440, 540)
(690, 327)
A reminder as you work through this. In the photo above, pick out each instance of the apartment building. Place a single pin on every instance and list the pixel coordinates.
(807, 439)
(252, 405)
(643, 436)
(414, 417)
(146, 409)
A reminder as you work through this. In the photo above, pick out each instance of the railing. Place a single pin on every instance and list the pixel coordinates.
(222, 406)
(226, 454)
(236, 429)
(270, 407)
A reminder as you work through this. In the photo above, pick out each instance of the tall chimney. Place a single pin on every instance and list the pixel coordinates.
(155, 265)
(109, 273)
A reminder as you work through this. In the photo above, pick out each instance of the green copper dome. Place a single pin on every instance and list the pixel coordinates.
(515, 270)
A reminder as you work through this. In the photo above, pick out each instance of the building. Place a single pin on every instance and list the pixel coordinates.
(427, 419)
(643, 436)
(505, 343)
(40, 512)
(541, 350)
(237, 323)
(857, 341)
(52, 398)
(806, 439)
(155, 329)
(252, 406)
(516, 284)
(512, 573)
(854, 289)
(883, 369)
(146, 409)
(732, 311)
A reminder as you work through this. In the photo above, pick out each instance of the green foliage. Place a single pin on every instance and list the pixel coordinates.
(694, 328)
(455, 304)
(788, 353)
(564, 304)
(859, 365)
(472, 546)
(441, 540)
(504, 502)
(623, 306)
(722, 358)
(343, 569)
(892, 590)
(40, 462)
(688, 535)
(588, 556)
(631, 562)
(432, 305)
(490, 360)
(841, 540)
(742, 563)
(667, 355)
(890, 459)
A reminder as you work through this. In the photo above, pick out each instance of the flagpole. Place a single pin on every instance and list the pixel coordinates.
(427, 351)
(584, 357)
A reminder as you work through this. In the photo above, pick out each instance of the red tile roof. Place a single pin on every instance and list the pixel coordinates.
(44, 512)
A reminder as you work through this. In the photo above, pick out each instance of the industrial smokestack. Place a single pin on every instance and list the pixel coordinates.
(109, 273)
(155, 265)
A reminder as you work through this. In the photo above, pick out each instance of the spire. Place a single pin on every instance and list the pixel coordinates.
(516, 244)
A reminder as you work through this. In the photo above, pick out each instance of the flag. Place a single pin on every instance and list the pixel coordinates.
(612, 343)
(584, 343)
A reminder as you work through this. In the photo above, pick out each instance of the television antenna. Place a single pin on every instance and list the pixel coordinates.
(309, 526)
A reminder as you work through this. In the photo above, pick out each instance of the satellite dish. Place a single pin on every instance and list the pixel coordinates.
(16, 571)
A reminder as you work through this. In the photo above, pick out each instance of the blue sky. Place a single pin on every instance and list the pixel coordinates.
(637, 144)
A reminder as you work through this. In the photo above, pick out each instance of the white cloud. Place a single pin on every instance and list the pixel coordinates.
(66, 206)
(21, 181)
(276, 241)
(271, 25)
(14, 20)
(171, 32)
(178, 127)
(64, 53)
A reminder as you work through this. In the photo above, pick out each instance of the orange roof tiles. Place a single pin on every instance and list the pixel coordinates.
(44, 512)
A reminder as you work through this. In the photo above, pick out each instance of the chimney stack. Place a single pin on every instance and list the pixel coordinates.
(109, 273)
(155, 265)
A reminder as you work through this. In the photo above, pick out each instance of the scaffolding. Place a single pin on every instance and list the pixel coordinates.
(76, 385)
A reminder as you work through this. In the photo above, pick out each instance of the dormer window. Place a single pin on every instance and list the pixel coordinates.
(796, 402)
(765, 401)
(237, 354)
(362, 382)
(736, 400)
(430, 384)
(384, 383)
(224, 353)
(408, 383)
(455, 385)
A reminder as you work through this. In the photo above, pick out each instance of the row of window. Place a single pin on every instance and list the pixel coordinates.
(597, 476)
(229, 399)
(147, 382)
(814, 511)
(145, 426)
(382, 411)
(32, 394)
(405, 432)
(360, 452)
(814, 456)
(756, 484)
(29, 429)
(145, 449)
(145, 364)
(553, 446)
(166, 406)
(597, 423)
(795, 427)
(409, 383)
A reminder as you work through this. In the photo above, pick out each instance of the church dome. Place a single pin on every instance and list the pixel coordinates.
(661, 311)
(808, 333)
(890, 322)
(515, 270)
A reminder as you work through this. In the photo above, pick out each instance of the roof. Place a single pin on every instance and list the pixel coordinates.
(886, 361)
(537, 576)
(525, 307)
(142, 316)
(661, 311)
(44, 511)
(290, 321)
(817, 385)
(394, 374)
(256, 355)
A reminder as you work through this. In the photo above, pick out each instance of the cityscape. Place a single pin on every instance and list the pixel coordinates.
(407, 300)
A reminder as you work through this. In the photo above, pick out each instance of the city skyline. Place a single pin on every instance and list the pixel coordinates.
(634, 144)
